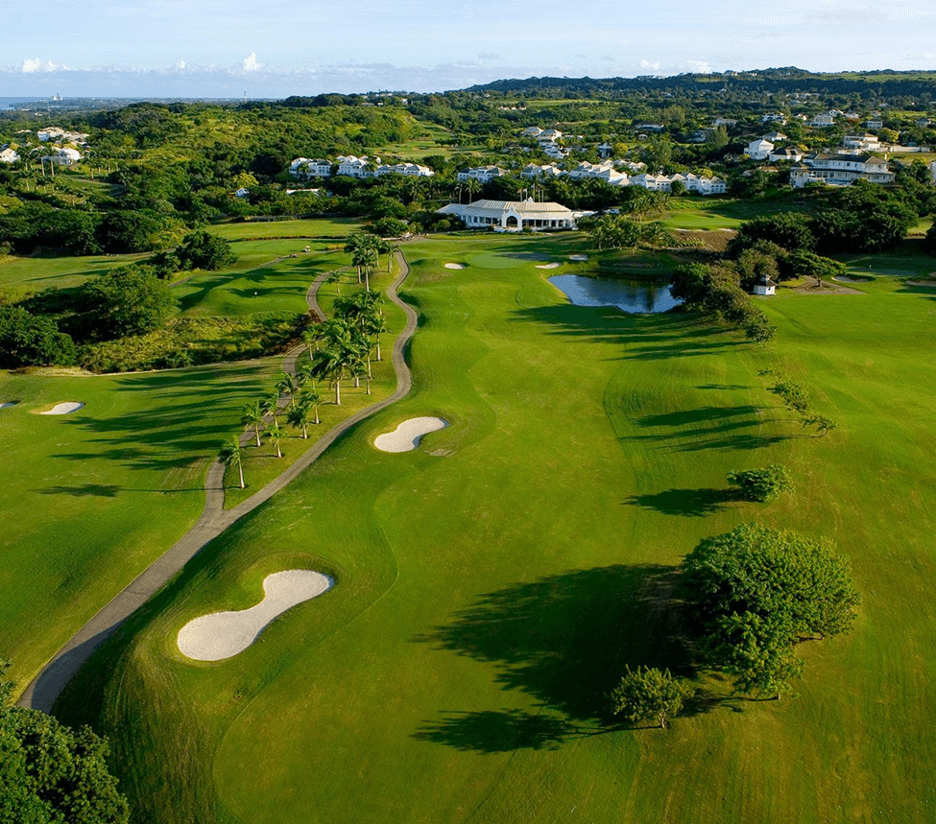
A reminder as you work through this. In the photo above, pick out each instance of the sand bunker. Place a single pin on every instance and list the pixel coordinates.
(578, 257)
(548, 266)
(454, 265)
(64, 408)
(224, 634)
(406, 437)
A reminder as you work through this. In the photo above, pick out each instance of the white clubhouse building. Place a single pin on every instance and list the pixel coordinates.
(511, 215)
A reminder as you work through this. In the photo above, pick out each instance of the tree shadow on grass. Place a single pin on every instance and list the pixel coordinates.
(689, 503)
(564, 640)
(657, 337)
(96, 490)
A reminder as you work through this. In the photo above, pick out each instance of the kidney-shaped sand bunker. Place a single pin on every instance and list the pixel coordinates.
(222, 635)
(407, 435)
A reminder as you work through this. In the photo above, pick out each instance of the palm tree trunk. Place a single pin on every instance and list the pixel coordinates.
(279, 452)
(367, 279)
(240, 471)
(257, 433)
(338, 393)
(316, 416)
(378, 348)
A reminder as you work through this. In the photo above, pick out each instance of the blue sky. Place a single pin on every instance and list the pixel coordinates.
(277, 48)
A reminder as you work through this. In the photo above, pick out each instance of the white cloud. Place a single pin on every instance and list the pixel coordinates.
(38, 65)
(646, 64)
(180, 64)
(250, 63)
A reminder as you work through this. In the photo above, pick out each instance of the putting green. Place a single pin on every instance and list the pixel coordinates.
(492, 595)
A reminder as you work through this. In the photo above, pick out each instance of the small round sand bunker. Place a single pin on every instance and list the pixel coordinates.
(454, 265)
(552, 265)
(406, 437)
(578, 257)
(222, 635)
(64, 408)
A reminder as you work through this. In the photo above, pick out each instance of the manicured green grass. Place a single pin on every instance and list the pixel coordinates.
(92, 498)
(33, 274)
(491, 585)
(317, 227)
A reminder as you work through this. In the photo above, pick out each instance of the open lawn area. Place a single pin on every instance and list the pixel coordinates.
(492, 585)
(317, 227)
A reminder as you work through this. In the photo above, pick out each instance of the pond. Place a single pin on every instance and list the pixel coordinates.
(628, 295)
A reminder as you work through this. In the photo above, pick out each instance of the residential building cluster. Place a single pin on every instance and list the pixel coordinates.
(609, 172)
(352, 166)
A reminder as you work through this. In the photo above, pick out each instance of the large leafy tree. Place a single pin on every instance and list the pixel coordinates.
(758, 591)
(32, 340)
(129, 300)
(51, 774)
(203, 250)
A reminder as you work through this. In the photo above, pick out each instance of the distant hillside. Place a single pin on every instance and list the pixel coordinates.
(788, 79)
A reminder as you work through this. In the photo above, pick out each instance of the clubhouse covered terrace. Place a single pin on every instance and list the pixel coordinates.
(512, 215)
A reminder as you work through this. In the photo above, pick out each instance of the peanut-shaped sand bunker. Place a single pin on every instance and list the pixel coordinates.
(222, 635)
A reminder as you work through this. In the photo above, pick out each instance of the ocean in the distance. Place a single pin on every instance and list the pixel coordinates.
(6, 102)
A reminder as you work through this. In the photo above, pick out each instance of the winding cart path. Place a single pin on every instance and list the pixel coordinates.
(48, 685)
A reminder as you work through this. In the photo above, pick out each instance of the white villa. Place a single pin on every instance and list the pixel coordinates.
(823, 120)
(58, 135)
(408, 169)
(511, 215)
(532, 131)
(841, 170)
(547, 170)
(790, 153)
(483, 174)
(8, 155)
(64, 157)
(759, 149)
(356, 166)
(865, 142)
(603, 171)
(304, 167)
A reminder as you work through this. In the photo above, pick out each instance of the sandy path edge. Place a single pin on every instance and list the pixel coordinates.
(46, 687)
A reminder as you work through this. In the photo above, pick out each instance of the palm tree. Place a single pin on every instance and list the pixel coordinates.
(377, 326)
(335, 277)
(253, 416)
(270, 404)
(299, 418)
(311, 336)
(312, 399)
(274, 434)
(232, 455)
(329, 364)
(287, 385)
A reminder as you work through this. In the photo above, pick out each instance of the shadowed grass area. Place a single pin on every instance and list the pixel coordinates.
(492, 584)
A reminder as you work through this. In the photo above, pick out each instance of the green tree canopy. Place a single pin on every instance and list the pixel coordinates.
(648, 693)
(757, 591)
(50, 774)
(32, 340)
(129, 300)
(203, 250)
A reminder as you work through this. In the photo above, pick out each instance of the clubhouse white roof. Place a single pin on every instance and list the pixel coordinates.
(512, 214)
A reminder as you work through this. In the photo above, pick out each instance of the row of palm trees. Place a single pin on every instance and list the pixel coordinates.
(339, 349)
(365, 249)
